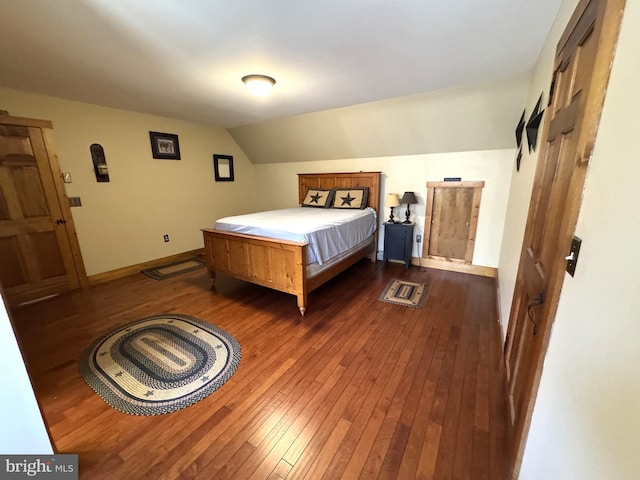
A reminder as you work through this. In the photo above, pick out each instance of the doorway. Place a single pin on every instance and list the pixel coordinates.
(39, 252)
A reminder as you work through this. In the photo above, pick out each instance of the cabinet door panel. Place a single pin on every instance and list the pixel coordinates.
(451, 219)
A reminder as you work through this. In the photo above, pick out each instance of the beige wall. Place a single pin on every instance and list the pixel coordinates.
(122, 222)
(585, 423)
(278, 187)
(453, 120)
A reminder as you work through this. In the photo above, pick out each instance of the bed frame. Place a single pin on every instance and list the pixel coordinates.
(280, 264)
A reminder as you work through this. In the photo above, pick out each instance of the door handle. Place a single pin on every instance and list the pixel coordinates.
(534, 302)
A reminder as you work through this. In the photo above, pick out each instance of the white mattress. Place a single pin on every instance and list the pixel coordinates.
(327, 231)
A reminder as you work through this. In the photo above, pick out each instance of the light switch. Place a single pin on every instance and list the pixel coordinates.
(66, 177)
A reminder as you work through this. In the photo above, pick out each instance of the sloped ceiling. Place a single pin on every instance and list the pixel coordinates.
(184, 59)
(482, 117)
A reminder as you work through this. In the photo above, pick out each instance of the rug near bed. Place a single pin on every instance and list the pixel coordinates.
(172, 269)
(160, 364)
(402, 292)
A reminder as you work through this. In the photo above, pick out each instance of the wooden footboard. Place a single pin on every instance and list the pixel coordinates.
(273, 263)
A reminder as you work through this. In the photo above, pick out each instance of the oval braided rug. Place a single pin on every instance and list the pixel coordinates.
(159, 364)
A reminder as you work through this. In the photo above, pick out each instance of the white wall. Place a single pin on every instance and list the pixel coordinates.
(278, 185)
(122, 222)
(586, 421)
(482, 117)
(22, 430)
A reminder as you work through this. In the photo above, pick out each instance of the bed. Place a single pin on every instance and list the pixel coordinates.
(283, 264)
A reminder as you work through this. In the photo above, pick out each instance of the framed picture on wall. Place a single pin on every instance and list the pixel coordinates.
(164, 146)
(223, 168)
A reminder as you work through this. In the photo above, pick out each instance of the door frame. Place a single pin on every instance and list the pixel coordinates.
(610, 17)
(78, 277)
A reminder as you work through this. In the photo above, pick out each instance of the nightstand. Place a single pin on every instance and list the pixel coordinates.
(398, 242)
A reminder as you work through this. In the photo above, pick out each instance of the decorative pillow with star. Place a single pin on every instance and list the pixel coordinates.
(318, 198)
(355, 198)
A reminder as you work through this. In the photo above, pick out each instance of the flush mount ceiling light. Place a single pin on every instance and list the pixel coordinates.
(259, 84)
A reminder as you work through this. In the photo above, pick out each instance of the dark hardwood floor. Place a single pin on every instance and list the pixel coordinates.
(355, 389)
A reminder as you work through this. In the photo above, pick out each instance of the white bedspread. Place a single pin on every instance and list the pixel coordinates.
(327, 231)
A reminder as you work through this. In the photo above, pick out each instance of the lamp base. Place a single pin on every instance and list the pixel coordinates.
(408, 214)
(391, 220)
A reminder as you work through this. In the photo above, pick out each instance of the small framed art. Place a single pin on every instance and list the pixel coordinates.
(164, 146)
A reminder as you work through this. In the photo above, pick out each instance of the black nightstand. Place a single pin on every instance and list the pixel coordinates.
(398, 242)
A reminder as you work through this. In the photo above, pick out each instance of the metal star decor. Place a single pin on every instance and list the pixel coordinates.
(520, 129)
(533, 125)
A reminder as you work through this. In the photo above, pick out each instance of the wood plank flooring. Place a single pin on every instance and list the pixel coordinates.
(357, 388)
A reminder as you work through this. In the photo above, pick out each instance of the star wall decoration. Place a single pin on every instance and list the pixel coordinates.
(533, 125)
(520, 129)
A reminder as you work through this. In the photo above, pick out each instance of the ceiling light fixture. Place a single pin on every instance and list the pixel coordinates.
(259, 84)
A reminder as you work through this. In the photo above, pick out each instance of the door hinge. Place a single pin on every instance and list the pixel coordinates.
(60, 221)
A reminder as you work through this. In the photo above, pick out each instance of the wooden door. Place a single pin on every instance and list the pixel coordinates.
(39, 253)
(582, 64)
(451, 219)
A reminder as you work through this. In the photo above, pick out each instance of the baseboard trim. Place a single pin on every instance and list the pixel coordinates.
(499, 308)
(455, 267)
(132, 269)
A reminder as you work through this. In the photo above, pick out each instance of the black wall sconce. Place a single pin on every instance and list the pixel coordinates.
(99, 163)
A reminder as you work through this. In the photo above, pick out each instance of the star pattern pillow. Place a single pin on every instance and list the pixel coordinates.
(318, 198)
(355, 198)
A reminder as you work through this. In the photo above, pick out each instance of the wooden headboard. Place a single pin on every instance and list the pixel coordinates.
(342, 180)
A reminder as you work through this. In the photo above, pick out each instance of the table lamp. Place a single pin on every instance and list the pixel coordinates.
(392, 201)
(409, 198)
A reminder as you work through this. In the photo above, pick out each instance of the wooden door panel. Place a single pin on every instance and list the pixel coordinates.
(29, 191)
(47, 255)
(37, 257)
(451, 215)
(14, 141)
(4, 208)
(12, 272)
(451, 219)
(581, 72)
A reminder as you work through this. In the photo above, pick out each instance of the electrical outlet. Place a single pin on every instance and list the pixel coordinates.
(166, 238)
(418, 238)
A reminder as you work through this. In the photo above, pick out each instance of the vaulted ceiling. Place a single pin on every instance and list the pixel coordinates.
(185, 59)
